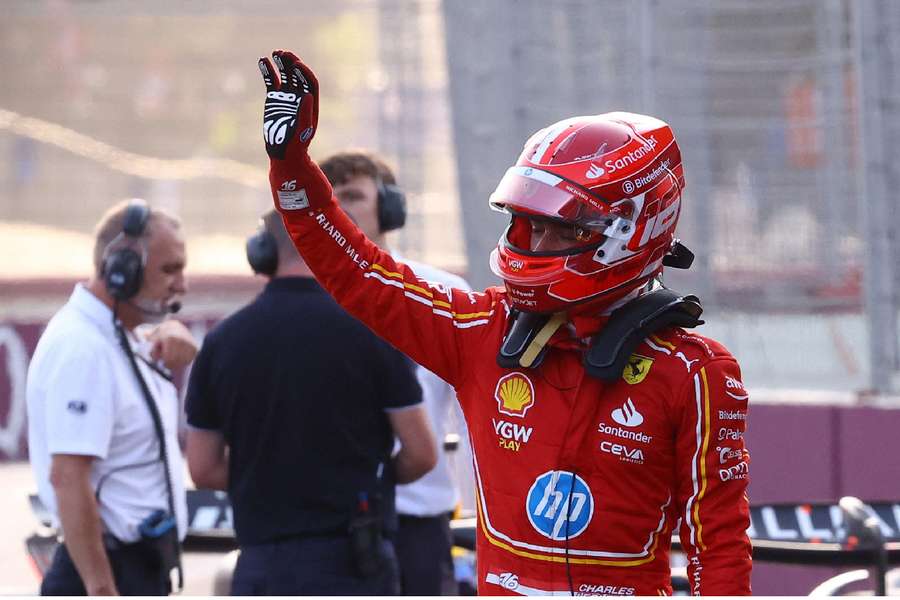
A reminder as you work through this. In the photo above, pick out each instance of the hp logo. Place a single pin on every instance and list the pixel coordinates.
(550, 509)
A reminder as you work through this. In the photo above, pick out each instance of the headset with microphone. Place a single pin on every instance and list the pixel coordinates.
(123, 268)
(262, 248)
(123, 274)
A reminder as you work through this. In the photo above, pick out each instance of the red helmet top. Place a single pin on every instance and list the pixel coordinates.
(593, 202)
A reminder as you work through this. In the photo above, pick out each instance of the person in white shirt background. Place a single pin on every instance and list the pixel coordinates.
(367, 190)
(107, 465)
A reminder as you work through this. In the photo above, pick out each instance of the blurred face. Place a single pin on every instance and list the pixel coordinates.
(359, 198)
(549, 236)
(163, 281)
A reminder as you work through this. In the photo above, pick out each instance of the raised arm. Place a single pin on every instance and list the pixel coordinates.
(432, 324)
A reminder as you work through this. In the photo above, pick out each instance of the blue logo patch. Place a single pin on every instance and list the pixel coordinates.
(77, 406)
(559, 505)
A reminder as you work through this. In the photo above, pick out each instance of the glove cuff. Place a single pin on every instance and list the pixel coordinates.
(298, 184)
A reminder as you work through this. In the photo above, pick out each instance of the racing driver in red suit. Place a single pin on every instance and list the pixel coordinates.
(599, 423)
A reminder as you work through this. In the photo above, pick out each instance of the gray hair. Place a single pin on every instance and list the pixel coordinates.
(111, 224)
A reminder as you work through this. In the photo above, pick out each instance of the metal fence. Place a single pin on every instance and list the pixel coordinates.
(784, 109)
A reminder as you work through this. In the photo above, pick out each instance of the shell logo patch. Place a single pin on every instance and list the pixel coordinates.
(514, 394)
(636, 368)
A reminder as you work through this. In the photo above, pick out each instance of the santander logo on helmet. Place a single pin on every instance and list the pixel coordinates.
(617, 176)
(594, 171)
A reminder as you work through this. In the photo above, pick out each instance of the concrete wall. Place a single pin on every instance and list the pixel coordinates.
(818, 453)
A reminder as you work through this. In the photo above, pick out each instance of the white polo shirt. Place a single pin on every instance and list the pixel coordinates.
(438, 490)
(83, 398)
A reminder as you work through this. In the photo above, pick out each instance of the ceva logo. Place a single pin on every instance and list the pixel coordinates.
(628, 415)
(632, 455)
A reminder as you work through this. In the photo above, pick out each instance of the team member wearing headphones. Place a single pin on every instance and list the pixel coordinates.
(102, 468)
(303, 446)
(367, 189)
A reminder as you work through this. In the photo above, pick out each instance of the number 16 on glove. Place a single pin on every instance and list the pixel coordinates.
(290, 118)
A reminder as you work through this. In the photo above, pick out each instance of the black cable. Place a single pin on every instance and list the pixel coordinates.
(161, 371)
(160, 433)
(568, 516)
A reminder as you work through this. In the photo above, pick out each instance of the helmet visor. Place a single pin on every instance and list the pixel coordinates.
(542, 194)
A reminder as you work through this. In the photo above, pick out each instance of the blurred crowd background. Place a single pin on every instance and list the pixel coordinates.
(162, 100)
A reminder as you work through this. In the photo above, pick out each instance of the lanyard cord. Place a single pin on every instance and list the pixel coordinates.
(568, 516)
(160, 434)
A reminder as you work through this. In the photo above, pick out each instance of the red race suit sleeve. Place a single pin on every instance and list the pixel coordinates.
(432, 324)
(713, 472)
(437, 327)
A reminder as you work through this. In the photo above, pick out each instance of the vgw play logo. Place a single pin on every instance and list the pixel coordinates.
(559, 505)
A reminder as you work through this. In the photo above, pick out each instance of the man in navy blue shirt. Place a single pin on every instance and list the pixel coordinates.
(293, 407)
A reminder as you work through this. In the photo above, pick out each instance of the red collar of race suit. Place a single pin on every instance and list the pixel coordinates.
(576, 333)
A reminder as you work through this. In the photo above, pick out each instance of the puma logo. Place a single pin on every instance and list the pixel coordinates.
(687, 363)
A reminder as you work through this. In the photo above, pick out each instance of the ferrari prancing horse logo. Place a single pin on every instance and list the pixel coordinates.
(636, 368)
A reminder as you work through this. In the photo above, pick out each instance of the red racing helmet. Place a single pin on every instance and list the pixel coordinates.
(608, 187)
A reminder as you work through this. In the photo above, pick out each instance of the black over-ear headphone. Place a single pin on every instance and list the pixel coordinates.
(123, 268)
(262, 252)
(262, 249)
(391, 206)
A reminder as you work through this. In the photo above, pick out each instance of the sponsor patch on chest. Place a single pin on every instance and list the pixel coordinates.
(559, 505)
(636, 369)
(511, 436)
(514, 394)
